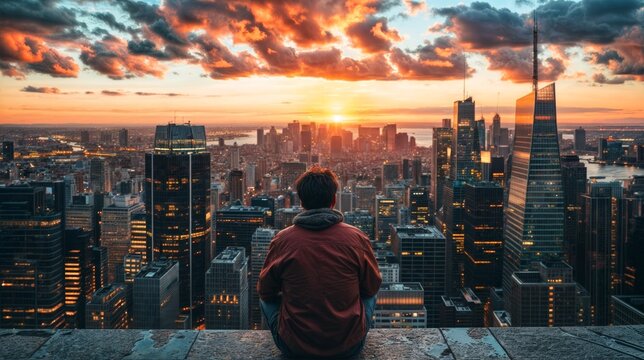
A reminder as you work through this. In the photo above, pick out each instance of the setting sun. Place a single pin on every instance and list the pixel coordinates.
(338, 118)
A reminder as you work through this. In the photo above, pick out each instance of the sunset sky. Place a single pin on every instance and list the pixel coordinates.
(128, 63)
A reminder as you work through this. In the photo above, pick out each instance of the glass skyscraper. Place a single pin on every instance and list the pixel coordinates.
(178, 206)
(535, 215)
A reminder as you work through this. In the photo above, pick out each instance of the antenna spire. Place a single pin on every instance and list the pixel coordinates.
(535, 55)
(464, 74)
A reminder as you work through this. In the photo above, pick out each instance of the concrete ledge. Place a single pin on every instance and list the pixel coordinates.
(617, 342)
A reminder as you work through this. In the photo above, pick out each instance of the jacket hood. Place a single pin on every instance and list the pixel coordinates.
(318, 219)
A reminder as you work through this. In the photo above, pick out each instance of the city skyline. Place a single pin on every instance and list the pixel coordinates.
(123, 62)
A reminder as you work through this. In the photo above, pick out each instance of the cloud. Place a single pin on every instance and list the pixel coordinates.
(26, 53)
(516, 65)
(42, 90)
(112, 93)
(142, 93)
(415, 6)
(110, 57)
(441, 60)
(624, 57)
(110, 19)
(372, 35)
(600, 78)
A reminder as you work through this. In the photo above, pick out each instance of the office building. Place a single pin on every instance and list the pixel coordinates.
(390, 272)
(363, 220)
(480, 131)
(421, 255)
(497, 170)
(99, 175)
(628, 310)
(603, 243)
(290, 172)
(178, 208)
(419, 206)
(107, 309)
(386, 216)
(132, 265)
(441, 149)
(466, 152)
(116, 232)
(259, 249)
(400, 305)
(236, 185)
(84, 137)
(79, 276)
(156, 295)
(390, 173)
(123, 138)
(234, 157)
(267, 202)
(82, 214)
(236, 224)
(580, 139)
(495, 134)
(483, 247)
(284, 217)
(7, 151)
(573, 182)
(535, 216)
(547, 297)
(138, 236)
(227, 290)
(31, 259)
(366, 198)
(464, 310)
(294, 133)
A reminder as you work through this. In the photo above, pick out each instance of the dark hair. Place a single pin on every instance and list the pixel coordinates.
(317, 187)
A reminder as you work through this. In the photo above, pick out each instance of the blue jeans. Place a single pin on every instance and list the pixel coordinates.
(271, 313)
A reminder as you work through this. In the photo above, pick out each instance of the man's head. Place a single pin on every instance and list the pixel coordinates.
(316, 188)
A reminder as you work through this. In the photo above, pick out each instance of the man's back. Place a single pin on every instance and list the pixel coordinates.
(322, 273)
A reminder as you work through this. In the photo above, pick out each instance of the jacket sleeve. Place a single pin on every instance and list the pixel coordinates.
(370, 278)
(269, 283)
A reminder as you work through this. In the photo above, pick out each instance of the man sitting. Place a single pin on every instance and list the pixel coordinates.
(318, 284)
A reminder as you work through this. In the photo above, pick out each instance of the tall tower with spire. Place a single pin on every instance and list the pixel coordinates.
(535, 211)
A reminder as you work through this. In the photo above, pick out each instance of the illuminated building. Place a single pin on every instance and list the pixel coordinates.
(609, 150)
(421, 255)
(495, 134)
(82, 214)
(32, 294)
(178, 206)
(227, 290)
(366, 198)
(441, 153)
(416, 170)
(259, 249)
(602, 210)
(400, 305)
(464, 310)
(79, 276)
(390, 272)
(454, 230)
(419, 206)
(236, 185)
(156, 295)
(99, 264)
(116, 232)
(132, 264)
(402, 142)
(535, 216)
(547, 297)
(497, 170)
(573, 181)
(107, 308)
(138, 236)
(466, 152)
(389, 137)
(236, 224)
(483, 246)
(361, 219)
(386, 216)
(480, 130)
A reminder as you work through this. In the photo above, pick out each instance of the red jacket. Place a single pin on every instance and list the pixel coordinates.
(321, 275)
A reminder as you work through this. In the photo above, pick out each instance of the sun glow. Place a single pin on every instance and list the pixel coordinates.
(337, 118)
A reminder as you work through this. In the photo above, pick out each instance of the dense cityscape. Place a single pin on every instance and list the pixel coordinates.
(487, 226)
(477, 218)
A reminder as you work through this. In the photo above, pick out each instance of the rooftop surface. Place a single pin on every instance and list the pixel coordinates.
(615, 342)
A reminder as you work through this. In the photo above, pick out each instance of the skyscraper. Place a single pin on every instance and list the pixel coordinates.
(495, 134)
(573, 177)
(155, 295)
(466, 152)
(32, 294)
(386, 216)
(463, 310)
(236, 185)
(421, 254)
(107, 308)
(7, 151)
(419, 206)
(290, 172)
(259, 249)
(260, 138)
(390, 173)
(99, 175)
(480, 131)
(483, 220)
(178, 206)
(234, 157)
(227, 290)
(116, 232)
(366, 198)
(123, 137)
(79, 276)
(400, 305)
(363, 220)
(580, 139)
(236, 224)
(535, 216)
(441, 153)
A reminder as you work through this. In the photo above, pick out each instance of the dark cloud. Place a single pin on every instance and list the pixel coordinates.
(219, 62)
(112, 93)
(415, 6)
(516, 65)
(31, 54)
(372, 35)
(523, 3)
(36, 17)
(441, 60)
(624, 56)
(11, 70)
(110, 19)
(42, 90)
(600, 78)
(110, 57)
(55, 64)
(142, 93)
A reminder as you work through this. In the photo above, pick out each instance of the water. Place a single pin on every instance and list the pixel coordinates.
(611, 172)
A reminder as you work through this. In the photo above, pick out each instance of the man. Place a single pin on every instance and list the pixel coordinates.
(320, 277)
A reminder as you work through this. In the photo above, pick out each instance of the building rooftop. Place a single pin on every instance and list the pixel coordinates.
(156, 269)
(613, 342)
